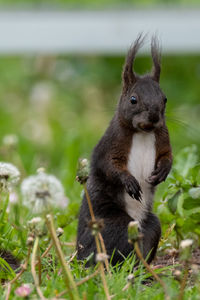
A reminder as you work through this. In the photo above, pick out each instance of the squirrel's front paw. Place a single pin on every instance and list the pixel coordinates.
(133, 188)
(160, 173)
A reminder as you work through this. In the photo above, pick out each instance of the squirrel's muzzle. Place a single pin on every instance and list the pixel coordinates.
(146, 126)
(153, 117)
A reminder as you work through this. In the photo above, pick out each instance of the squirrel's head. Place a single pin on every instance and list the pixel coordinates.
(142, 103)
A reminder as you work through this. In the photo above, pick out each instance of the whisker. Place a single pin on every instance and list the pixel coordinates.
(184, 124)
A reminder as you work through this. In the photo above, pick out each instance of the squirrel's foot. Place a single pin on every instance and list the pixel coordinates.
(133, 188)
(159, 174)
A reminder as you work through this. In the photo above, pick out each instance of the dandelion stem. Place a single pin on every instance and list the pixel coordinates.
(8, 291)
(99, 234)
(72, 257)
(97, 239)
(67, 273)
(87, 278)
(97, 244)
(126, 287)
(80, 282)
(47, 250)
(39, 269)
(69, 244)
(33, 271)
(147, 266)
(89, 202)
(104, 250)
(103, 277)
(183, 283)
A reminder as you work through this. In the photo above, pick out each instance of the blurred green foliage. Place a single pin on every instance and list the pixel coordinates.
(58, 108)
(95, 4)
(180, 203)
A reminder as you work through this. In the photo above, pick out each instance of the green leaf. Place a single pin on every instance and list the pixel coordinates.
(6, 268)
(190, 203)
(180, 222)
(180, 202)
(173, 201)
(195, 192)
(195, 174)
(193, 211)
(186, 159)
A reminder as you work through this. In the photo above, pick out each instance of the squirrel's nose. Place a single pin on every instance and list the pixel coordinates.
(153, 117)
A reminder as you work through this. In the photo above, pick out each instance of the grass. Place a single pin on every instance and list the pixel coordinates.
(58, 107)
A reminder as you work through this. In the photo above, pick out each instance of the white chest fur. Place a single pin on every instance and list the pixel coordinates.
(141, 163)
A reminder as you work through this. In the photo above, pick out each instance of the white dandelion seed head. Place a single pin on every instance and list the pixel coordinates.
(41, 95)
(35, 220)
(36, 227)
(133, 224)
(42, 191)
(186, 243)
(84, 162)
(30, 240)
(101, 257)
(130, 278)
(10, 140)
(59, 231)
(9, 176)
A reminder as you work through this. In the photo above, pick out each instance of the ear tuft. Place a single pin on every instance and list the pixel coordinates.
(156, 56)
(128, 75)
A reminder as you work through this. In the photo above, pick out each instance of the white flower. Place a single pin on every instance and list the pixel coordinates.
(42, 191)
(9, 176)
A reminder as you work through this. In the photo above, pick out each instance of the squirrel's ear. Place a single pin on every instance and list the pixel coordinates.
(128, 75)
(156, 56)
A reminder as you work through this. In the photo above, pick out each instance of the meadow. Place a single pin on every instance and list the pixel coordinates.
(53, 110)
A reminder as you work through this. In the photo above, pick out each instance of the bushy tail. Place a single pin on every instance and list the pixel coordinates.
(10, 259)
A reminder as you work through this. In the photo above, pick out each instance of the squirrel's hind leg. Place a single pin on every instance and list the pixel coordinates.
(151, 231)
(115, 236)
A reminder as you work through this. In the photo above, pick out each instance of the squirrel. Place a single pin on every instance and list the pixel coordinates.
(133, 156)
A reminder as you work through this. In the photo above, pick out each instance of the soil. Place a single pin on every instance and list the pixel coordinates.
(173, 259)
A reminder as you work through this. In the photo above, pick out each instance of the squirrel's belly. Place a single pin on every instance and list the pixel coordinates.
(141, 163)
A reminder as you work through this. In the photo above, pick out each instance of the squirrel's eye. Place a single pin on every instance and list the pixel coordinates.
(165, 100)
(133, 100)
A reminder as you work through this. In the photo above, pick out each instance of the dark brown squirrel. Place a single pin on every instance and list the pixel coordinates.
(133, 156)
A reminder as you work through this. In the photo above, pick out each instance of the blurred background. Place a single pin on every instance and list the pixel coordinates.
(60, 76)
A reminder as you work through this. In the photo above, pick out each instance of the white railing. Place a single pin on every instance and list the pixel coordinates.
(97, 32)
